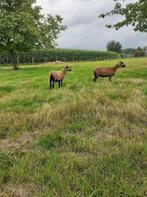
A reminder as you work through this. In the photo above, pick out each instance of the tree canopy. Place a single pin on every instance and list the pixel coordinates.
(23, 27)
(114, 46)
(134, 14)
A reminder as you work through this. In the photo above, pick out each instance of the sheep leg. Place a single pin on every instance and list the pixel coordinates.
(95, 77)
(53, 84)
(59, 83)
(50, 84)
(110, 77)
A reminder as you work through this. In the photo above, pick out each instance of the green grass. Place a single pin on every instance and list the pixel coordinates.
(85, 139)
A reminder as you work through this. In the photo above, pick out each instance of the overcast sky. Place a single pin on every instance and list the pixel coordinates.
(85, 29)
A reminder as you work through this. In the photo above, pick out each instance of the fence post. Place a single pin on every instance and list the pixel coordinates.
(7, 60)
(17, 59)
(32, 60)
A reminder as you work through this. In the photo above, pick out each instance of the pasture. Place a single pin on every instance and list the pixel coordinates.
(84, 139)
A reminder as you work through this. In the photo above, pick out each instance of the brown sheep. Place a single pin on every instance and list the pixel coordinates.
(107, 72)
(58, 76)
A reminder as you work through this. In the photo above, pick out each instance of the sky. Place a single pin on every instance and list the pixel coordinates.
(87, 31)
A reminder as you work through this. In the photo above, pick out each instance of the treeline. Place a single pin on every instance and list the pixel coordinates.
(139, 52)
(116, 46)
(58, 55)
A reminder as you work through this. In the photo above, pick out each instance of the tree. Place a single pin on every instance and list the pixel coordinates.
(135, 14)
(114, 46)
(23, 28)
(128, 51)
(145, 50)
(139, 52)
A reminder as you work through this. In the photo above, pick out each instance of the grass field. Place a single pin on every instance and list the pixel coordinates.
(85, 139)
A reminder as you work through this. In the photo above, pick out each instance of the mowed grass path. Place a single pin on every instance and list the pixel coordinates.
(85, 139)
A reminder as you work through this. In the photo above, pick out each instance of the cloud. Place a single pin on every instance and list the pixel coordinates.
(85, 29)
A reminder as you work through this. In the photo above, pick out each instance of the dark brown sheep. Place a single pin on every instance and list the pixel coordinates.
(107, 72)
(58, 76)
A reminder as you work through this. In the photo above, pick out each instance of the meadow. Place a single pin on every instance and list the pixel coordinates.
(85, 139)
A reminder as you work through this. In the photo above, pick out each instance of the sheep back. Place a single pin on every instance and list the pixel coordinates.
(57, 75)
(104, 71)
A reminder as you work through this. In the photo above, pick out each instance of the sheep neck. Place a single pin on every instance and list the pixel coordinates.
(64, 72)
(115, 68)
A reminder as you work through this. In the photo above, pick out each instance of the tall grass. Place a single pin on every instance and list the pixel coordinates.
(85, 139)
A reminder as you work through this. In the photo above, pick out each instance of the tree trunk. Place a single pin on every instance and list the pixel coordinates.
(13, 57)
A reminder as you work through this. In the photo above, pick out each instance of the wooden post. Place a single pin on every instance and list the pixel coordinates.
(32, 60)
(17, 59)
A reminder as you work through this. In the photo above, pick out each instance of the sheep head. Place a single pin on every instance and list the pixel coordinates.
(67, 68)
(121, 64)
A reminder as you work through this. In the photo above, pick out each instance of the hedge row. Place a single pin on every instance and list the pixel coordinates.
(59, 55)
